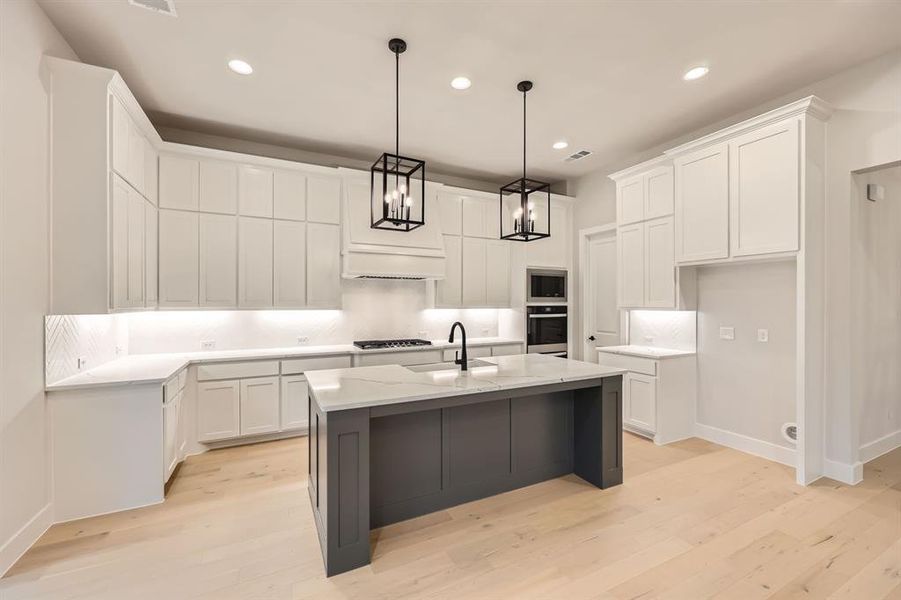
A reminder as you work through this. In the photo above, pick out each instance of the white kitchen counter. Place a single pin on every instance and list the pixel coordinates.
(361, 387)
(646, 351)
(139, 369)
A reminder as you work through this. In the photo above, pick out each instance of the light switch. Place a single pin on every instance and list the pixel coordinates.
(727, 333)
(763, 335)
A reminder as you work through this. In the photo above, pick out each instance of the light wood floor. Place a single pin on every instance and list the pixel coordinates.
(693, 520)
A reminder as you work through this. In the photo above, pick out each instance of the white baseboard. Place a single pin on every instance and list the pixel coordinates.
(883, 445)
(843, 472)
(738, 441)
(22, 540)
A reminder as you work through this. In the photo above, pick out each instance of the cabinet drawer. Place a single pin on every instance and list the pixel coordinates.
(478, 352)
(301, 365)
(506, 350)
(636, 364)
(237, 370)
(414, 357)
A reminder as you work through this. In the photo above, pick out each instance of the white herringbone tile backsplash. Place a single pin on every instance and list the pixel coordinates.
(93, 337)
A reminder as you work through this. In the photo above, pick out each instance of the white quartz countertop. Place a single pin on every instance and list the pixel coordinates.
(362, 387)
(137, 369)
(646, 351)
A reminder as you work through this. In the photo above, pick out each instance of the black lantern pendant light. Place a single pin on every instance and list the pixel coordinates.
(525, 203)
(397, 182)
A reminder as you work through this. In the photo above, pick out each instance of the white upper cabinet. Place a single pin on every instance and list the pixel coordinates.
(129, 147)
(702, 204)
(658, 192)
(764, 193)
(255, 191)
(218, 260)
(218, 187)
(151, 172)
(660, 266)
(480, 217)
(448, 290)
(151, 254)
(179, 176)
(128, 215)
(631, 252)
(290, 195)
(324, 199)
(254, 262)
(323, 265)
(497, 273)
(290, 264)
(179, 259)
(450, 206)
(554, 251)
(474, 287)
(630, 200)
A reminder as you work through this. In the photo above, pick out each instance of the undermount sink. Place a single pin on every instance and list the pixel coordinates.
(447, 366)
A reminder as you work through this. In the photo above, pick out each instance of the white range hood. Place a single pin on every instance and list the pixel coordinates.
(382, 254)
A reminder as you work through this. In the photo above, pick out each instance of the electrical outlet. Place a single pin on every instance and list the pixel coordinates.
(727, 333)
(763, 335)
(208, 345)
(81, 362)
(302, 339)
(119, 350)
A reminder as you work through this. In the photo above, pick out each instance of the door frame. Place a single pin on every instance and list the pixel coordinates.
(584, 300)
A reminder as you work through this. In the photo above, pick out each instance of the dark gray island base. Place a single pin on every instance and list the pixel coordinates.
(376, 465)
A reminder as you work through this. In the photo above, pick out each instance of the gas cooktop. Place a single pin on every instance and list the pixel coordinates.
(376, 344)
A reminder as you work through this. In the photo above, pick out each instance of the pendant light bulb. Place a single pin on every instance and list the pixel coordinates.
(409, 201)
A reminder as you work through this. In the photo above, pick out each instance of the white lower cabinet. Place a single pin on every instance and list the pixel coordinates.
(640, 402)
(259, 405)
(294, 402)
(218, 412)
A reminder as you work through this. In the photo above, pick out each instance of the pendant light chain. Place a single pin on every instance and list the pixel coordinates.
(524, 134)
(397, 103)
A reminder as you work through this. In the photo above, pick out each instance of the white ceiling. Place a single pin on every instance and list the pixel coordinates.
(607, 74)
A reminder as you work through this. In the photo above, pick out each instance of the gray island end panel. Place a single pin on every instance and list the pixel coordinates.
(389, 444)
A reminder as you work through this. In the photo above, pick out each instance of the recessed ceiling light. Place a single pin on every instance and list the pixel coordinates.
(695, 73)
(560, 145)
(240, 67)
(461, 83)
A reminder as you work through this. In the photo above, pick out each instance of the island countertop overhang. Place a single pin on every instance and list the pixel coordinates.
(368, 387)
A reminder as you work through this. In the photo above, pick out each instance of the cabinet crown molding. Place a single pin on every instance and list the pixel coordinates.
(658, 161)
(813, 106)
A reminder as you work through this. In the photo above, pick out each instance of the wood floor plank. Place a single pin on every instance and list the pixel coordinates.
(692, 520)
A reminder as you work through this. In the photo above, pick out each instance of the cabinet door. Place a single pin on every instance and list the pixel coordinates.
(630, 199)
(119, 242)
(702, 205)
(497, 273)
(121, 125)
(254, 262)
(630, 251)
(451, 208)
(552, 251)
(764, 193)
(218, 415)
(151, 254)
(171, 418)
(254, 191)
(178, 182)
(640, 401)
(448, 290)
(294, 403)
(659, 188)
(323, 265)
(218, 187)
(660, 271)
(259, 405)
(178, 253)
(323, 199)
(218, 260)
(135, 249)
(474, 292)
(479, 218)
(151, 172)
(290, 195)
(290, 264)
(136, 157)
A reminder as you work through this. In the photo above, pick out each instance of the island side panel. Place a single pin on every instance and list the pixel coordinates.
(598, 433)
(339, 489)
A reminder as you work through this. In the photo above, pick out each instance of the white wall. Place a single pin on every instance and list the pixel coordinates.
(373, 309)
(25, 35)
(876, 289)
(745, 386)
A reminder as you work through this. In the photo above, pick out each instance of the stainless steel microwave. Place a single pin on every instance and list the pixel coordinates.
(546, 286)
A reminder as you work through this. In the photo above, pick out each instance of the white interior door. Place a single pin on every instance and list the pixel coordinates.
(600, 316)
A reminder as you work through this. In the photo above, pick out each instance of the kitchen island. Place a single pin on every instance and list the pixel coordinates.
(388, 443)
